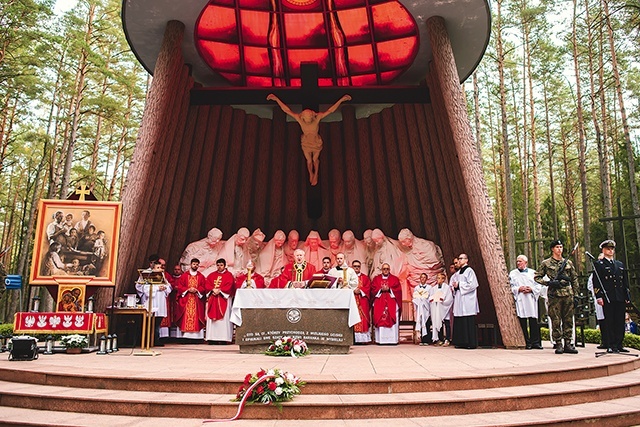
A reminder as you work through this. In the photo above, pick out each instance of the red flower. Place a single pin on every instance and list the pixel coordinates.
(247, 379)
(260, 389)
(286, 348)
(261, 373)
(272, 386)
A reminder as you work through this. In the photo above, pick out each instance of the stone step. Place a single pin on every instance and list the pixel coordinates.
(613, 412)
(449, 381)
(322, 406)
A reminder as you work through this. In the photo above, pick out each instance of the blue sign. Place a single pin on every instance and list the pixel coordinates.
(13, 281)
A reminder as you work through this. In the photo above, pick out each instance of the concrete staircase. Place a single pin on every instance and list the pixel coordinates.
(578, 394)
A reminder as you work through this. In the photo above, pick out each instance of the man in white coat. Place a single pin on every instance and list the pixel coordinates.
(526, 292)
(465, 305)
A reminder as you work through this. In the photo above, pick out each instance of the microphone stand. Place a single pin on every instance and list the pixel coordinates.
(595, 272)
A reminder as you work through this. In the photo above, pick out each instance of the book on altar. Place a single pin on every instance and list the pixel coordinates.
(322, 281)
(153, 277)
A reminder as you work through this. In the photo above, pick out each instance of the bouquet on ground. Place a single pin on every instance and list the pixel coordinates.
(288, 346)
(272, 386)
(74, 341)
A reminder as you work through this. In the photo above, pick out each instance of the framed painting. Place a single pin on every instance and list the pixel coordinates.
(76, 242)
(70, 298)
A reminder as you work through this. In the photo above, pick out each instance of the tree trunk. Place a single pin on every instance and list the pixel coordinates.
(511, 237)
(601, 135)
(633, 187)
(471, 168)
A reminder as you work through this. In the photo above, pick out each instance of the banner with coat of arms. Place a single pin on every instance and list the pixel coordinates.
(59, 323)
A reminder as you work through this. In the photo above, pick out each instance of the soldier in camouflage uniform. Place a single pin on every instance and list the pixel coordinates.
(562, 285)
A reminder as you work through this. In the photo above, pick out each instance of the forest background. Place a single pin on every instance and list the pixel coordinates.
(555, 105)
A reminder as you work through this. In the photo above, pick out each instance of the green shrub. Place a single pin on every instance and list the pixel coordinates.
(6, 329)
(592, 336)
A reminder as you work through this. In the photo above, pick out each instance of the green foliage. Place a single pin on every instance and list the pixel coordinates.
(6, 329)
(592, 336)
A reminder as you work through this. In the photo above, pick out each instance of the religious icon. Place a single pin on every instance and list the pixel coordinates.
(70, 298)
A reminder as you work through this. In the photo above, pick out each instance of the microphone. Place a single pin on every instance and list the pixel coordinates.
(590, 256)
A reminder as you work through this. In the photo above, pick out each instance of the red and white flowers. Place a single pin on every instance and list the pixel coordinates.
(271, 386)
(288, 346)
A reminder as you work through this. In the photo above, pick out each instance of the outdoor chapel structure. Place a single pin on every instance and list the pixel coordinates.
(212, 151)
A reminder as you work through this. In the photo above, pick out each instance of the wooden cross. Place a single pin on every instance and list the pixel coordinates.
(82, 191)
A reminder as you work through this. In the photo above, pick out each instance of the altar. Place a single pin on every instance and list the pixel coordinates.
(323, 318)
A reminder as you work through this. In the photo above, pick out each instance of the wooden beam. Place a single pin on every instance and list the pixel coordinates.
(295, 96)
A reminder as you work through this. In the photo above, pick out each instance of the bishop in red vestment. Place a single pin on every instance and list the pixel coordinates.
(386, 293)
(297, 272)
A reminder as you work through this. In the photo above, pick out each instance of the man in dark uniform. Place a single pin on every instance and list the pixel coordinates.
(560, 277)
(611, 288)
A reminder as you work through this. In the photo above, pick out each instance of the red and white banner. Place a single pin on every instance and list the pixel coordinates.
(59, 323)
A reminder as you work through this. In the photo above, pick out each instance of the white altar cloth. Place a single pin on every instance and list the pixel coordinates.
(295, 298)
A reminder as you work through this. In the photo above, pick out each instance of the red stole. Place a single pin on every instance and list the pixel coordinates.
(364, 284)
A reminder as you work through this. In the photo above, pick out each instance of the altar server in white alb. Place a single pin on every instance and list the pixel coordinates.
(159, 293)
(345, 275)
(440, 300)
(526, 292)
(422, 310)
(465, 305)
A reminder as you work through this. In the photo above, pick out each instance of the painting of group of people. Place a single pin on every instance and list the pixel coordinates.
(75, 239)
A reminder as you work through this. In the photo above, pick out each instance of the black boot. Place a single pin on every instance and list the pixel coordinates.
(569, 348)
(559, 349)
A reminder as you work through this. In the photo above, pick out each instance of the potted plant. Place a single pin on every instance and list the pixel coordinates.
(74, 343)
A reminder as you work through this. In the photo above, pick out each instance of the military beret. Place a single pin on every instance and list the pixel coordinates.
(555, 243)
(608, 244)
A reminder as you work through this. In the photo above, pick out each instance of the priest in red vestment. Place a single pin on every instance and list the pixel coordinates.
(386, 293)
(298, 273)
(249, 279)
(220, 290)
(362, 330)
(190, 315)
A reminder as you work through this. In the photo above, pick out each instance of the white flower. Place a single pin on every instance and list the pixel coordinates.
(271, 372)
(290, 377)
(279, 381)
(278, 391)
(278, 343)
(297, 348)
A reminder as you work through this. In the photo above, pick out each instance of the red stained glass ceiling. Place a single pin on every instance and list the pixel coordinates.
(258, 43)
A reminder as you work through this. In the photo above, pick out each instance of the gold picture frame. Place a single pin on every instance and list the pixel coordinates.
(70, 299)
(87, 255)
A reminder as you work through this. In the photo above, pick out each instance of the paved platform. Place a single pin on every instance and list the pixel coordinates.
(369, 362)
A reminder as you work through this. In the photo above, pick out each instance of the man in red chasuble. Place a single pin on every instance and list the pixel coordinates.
(386, 293)
(362, 330)
(189, 315)
(297, 273)
(220, 290)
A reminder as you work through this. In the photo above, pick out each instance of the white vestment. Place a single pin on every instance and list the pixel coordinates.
(526, 303)
(466, 296)
(352, 277)
(221, 329)
(441, 300)
(422, 307)
(599, 308)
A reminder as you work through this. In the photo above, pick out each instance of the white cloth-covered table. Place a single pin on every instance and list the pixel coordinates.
(298, 298)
